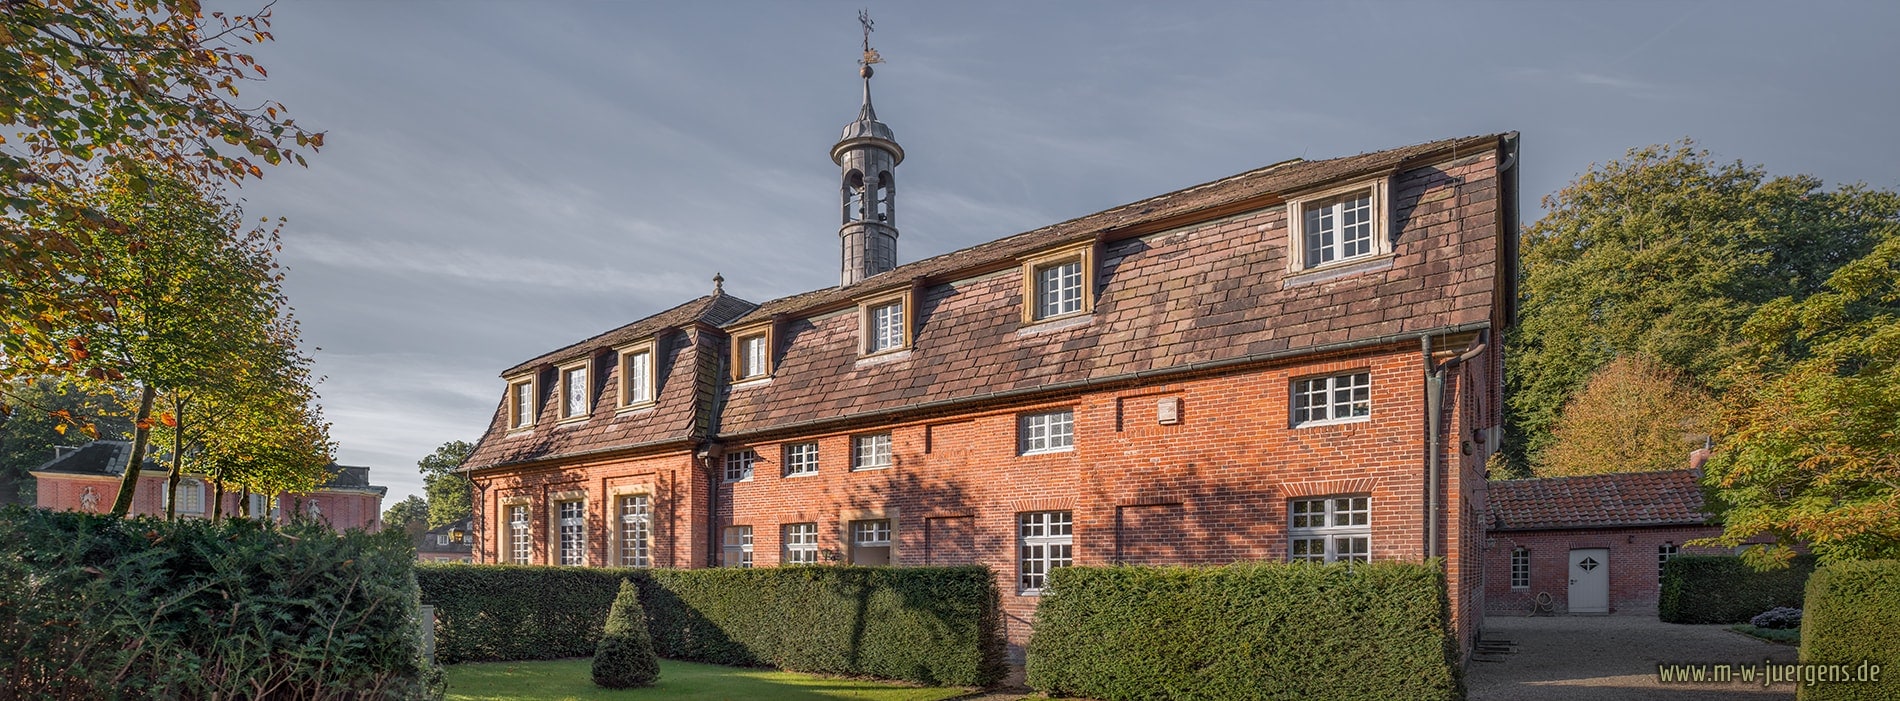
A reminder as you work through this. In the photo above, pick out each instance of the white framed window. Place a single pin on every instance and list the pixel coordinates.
(636, 530)
(636, 375)
(520, 547)
(871, 451)
(1059, 289)
(573, 534)
(441, 539)
(1334, 399)
(738, 547)
(887, 327)
(1663, 553)
(1330, 529)
(1338, 225)
(739, 465)
(1046, 540)
(263, 508)
(801, 543)
(191, 496)
(1520, 568)
(521, 404)
(871, 542)
(801, 459)
(752, 357)
(575, 400)
(1046, 432)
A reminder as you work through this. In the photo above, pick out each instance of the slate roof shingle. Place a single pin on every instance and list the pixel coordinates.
(1669, 498)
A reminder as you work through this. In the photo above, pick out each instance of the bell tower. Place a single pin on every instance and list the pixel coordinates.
(867, 154)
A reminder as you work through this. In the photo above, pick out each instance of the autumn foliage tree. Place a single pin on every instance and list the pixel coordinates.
(1634, 415)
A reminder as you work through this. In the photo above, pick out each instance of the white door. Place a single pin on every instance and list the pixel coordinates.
(1590, 580)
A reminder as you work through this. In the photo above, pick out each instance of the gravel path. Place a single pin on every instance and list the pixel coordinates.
(1614, 658)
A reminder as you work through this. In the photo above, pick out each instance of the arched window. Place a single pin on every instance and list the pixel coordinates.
(886, 201)
(853, 196)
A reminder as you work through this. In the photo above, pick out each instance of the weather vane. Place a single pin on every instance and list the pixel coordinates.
(870, 54)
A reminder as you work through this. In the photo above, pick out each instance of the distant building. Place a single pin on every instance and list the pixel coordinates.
(87, 479)
(448, 543)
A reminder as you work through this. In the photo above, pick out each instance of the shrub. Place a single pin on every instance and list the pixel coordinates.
(1723, 589)
(1779, 617)
(1853, 620)
(95, 607)
(1246, 631)
(625, 658)
(933, 625)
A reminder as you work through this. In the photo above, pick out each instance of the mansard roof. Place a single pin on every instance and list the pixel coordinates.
(715, 309)
(1624, 500)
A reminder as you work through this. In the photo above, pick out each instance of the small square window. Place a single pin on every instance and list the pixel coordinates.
(1057, 283)
(801, 459)
(738, 547)
(801, 543)
(1330, 529)
(739, 465)
(521, 404)
(870, 452)
(1059, 289)
(871, 542)
(887, 327)
(1046, 432)
(1338, 226)
(1340, 398)
(575, 402)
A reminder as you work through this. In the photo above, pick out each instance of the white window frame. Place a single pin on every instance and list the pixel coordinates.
(191, 496)
(1059, 289)
(263, 507)
(570, 532)
(753, 357)
(871, 451)
(1337, 408)
(739, 465)
(522, 403)
(873, 533)
(635, 516)
(885, 329)
(1045, 432)
(801, 543)
(737, 548)
(1071, 294)
(637, 375)
(1331, 528)
(1663, 553)
(801, 459)
(566, 377)
(520, 534)
(1329, 201)
(1520, 568)
(1045, 540)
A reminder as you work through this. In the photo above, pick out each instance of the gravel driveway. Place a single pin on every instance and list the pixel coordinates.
(1578, 658)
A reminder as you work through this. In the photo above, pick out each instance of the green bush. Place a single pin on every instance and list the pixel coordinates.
(933, 625)
(625, 658)
(95, 607)
(1246, 631)
(1853, 621)
(1723, 589)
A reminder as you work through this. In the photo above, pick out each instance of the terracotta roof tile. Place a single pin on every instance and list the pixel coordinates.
(1666, 498)
(716, 309)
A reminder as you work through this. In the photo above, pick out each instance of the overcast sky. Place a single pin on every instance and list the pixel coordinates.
(504, 178)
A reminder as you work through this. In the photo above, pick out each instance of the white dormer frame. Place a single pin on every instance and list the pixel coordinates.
(742, 371)
(520, 417)
(624, 361)
(582, 369)
(1083, 255)
(1381, 221)
(906, 301)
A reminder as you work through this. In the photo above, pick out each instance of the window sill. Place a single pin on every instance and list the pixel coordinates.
(519, 432)
(1056, 323)
(871, 468)
(636, 407)
(1333, 422)
(1338, 269)
(1030, 592)
(797, 475)
(753, 380)
(572, 420)
(1047, 451)
(726, 481)
(883, 356)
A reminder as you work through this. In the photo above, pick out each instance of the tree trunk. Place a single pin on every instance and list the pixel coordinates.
(141, 436)
(178, 459)
(217, 504)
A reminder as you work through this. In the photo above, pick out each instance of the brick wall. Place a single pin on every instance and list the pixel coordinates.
(1633, 565)
(342, 510)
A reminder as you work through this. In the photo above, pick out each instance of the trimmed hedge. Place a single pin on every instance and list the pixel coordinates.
(1852, 622)
(1246, 631)
(1723, 589)
(95, 607)
(932, 625)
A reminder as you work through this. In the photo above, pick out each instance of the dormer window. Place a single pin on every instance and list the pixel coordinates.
(752, 353)
(521, 404)
(1058, 284)
(1337, 226)
(637, 378)
(886, 323)
(576, 401)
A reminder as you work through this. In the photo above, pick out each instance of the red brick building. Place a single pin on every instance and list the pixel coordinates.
(87, 479)
(1240, 370)
(1591, 544)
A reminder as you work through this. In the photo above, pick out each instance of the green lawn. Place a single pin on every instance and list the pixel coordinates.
(570, 680)
(1786, 636)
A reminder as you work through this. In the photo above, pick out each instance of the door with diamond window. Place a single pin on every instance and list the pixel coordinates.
(1590, 580)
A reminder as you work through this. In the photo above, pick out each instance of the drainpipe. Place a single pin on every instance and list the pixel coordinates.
(1434, 425)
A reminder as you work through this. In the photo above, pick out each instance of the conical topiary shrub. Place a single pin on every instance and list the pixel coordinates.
(625, 658)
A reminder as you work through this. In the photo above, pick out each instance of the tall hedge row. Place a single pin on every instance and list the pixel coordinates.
(95, 607)
(934, 625)
(1852, 625)
(1246, 631)
(1723, 589)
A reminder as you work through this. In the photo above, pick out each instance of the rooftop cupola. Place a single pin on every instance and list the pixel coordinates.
(867, 154)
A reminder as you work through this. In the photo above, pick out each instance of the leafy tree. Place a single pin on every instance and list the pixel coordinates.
(625, 658)
(44, 419)
(1665, 253)
(1812, 428)
(92, 85)
(1635, 415)
(448, 490)
(410, 514)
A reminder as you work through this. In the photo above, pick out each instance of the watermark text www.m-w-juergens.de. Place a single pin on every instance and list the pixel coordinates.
(1769, 673)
